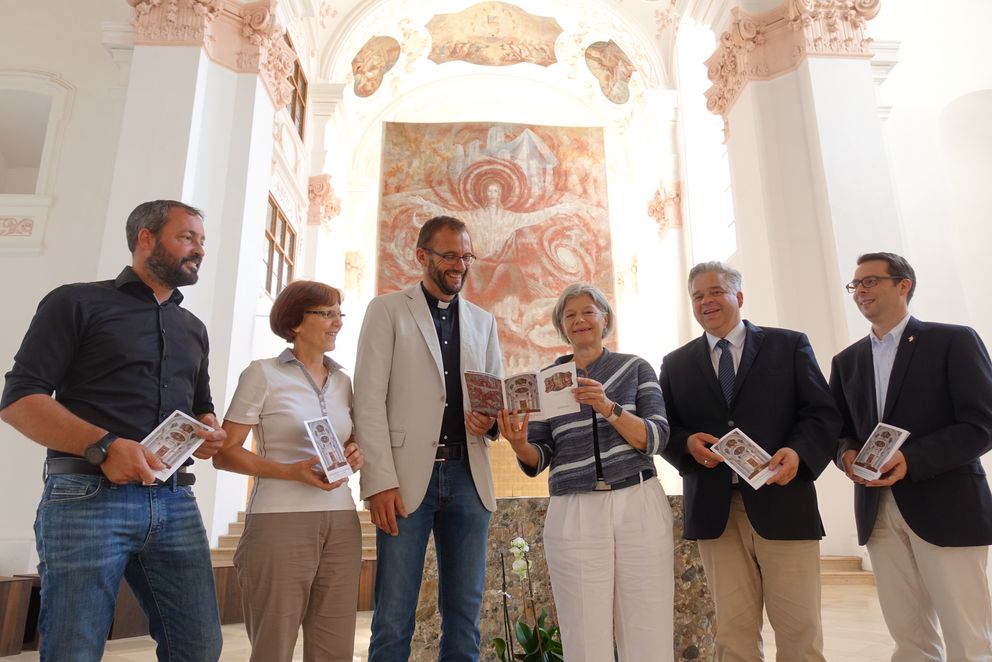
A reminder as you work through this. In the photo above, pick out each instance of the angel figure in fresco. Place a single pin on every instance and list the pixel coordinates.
(490, 222)
(492, 225)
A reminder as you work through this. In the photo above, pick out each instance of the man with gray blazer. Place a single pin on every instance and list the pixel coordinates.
(426, 456)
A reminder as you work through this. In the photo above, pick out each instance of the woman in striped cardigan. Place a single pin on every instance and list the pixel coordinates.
(608, 532)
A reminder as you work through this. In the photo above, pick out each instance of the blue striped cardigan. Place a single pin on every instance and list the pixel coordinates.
(565, 442)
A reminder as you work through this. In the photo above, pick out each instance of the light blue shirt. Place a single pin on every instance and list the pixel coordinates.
(883, 356)
(736, 337)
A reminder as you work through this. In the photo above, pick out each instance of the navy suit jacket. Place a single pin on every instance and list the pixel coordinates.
(780, 399)
(941, 391)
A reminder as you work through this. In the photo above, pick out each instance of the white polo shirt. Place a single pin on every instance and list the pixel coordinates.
(275, 396)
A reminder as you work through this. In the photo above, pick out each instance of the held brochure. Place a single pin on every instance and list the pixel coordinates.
(541, 394)
(328, 448)
(882, 444)
(173, 441)
(746, 458)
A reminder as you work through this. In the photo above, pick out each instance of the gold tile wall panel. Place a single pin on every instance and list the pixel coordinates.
(508, 479)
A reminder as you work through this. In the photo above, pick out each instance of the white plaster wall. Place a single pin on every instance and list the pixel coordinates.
(20, 180)
(63, 38)
(941, 58)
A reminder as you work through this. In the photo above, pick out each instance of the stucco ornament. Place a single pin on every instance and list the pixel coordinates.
(325, 205)
(767, 45)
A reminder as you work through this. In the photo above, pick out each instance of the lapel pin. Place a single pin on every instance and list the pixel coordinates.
(912, 338)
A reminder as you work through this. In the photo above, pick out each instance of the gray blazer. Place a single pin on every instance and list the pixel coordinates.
(399, 393)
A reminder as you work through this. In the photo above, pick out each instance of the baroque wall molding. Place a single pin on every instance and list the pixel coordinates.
(665, 207)
(23, 219)
(767, 45)
(245, 38)
(12, 226)
(325, 205)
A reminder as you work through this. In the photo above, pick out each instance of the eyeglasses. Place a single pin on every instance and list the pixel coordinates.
(869, 282)
(451, 258)
(326, 314)
(585, 314)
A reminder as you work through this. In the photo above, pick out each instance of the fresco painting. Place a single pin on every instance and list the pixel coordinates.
(493, 34)
(534, 199)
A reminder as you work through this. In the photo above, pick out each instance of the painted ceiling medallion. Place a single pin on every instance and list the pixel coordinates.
(370, 65)
(612, 68)
(493, 34)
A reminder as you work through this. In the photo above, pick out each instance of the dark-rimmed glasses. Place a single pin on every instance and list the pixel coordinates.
(451, 258)
(326, 314)
(869, 282)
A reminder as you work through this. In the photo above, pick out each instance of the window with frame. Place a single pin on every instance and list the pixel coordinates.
(298, 103)
(280, 250)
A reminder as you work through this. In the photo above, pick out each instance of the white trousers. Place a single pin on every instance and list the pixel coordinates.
(920, 583)
(610, 556)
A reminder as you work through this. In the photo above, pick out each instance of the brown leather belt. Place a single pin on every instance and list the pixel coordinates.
(57, 466)
(453, 452)
(636, 479)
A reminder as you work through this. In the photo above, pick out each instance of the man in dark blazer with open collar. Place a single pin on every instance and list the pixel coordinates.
(927, 520)
(759, 547)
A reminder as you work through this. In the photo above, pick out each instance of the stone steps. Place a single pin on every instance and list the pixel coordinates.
(227, 544)
(844, 570)
(834, 570)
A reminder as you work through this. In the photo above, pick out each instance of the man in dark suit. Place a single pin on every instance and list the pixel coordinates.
(927, 520)
(759, 547)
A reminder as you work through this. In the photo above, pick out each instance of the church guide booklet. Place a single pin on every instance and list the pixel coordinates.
(173, 441)
(882, 444)
(541, 394)
(746, 458)
(328, 448)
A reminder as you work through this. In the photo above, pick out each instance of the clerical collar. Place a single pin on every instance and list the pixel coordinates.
(434, 302)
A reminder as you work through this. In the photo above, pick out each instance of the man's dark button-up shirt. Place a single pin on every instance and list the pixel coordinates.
(114, 356)
(446, 324)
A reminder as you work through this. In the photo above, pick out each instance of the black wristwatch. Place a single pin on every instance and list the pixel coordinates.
(617, 410)
(96, 453)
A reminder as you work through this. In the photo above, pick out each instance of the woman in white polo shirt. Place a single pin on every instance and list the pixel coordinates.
(300, 555)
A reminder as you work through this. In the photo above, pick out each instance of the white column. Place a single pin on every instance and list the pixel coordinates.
(810, 174)
(203, 89)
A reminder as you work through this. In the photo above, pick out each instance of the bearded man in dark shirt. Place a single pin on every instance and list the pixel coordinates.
(120, 356)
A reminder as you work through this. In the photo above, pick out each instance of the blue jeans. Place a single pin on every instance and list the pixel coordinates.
(90, 533)
(453, 511)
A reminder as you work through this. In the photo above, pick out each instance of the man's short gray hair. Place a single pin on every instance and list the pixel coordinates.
(578, 290)
(152, 216)
(731, 278)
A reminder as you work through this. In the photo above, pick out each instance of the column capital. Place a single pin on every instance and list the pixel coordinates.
(767, 45)
(245, 38)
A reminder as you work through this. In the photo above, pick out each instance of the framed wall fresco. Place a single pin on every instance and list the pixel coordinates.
(534, 199)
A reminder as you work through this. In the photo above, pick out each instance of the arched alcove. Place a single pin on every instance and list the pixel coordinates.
(641, 138)
(34, 108)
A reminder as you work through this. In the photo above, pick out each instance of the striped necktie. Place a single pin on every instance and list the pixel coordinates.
(726, 370)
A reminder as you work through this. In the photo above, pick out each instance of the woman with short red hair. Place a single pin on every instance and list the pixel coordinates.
(299, 558)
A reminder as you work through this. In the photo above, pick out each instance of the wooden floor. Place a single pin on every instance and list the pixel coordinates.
(852, 624)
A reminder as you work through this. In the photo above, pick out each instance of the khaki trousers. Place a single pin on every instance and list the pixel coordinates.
(745, 572)
(919, 584)
(610, 556)
(300, 569)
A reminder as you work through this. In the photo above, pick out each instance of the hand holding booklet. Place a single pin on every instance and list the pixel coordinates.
(329, 448)
(882, 444)
(173, 441)
(745, 457)
(541, 394)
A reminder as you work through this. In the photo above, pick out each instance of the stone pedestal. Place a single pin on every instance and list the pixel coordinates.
(524, 517)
